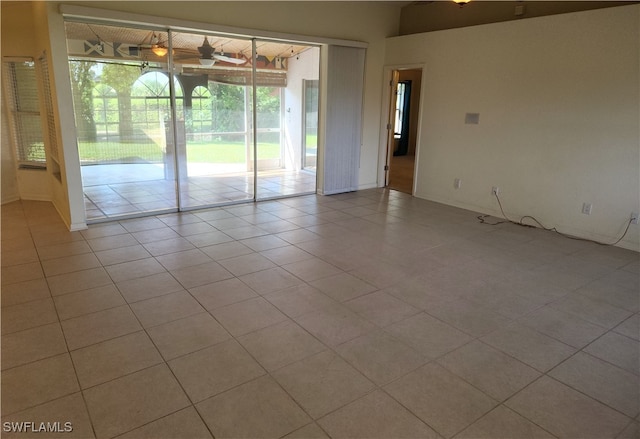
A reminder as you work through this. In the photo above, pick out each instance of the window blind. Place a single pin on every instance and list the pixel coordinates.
(48, 105)
(21, 86)
(343, 135)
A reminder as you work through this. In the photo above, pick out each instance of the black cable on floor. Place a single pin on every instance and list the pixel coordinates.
(481, 218)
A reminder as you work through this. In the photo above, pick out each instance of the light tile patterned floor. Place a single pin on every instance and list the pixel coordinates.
(138, 188)
(368, 314)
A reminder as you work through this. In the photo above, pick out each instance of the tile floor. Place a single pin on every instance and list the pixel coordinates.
(368, 314)
(135, 188)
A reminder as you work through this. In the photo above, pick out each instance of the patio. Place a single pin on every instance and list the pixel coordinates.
(123, 190)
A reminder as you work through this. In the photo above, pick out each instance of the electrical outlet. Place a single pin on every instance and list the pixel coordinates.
(495, 190)
(586, 208)
(457, 183)
(634, 217)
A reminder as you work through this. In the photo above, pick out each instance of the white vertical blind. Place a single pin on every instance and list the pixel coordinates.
(343, 128)
(21, 86)
(48, 105)
(8, 180)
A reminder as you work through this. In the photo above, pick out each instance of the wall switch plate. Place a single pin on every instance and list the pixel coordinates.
(634, 217)
(472, 118)
(457, 183)
(495, 190)
(586, 208)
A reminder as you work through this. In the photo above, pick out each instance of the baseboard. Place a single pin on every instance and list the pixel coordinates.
(11, 199)
(73, 227)
(78, 226)
(338, 191)
(566, 229)
(36, 197)
(367, 186)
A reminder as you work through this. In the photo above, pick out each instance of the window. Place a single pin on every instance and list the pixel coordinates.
(403, 107)
(401, 97)
(105, 112)
(202, 113)
(151, 100)
(21, 87)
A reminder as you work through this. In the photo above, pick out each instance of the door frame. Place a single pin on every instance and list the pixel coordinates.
(387, 117)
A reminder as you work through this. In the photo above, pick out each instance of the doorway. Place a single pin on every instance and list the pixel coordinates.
(403, 129)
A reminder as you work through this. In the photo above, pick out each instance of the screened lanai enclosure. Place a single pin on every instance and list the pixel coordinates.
(178, 120)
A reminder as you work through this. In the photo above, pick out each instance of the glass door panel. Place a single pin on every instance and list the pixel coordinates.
(123, 118)
(215, 129)
(269, 141)
(310, 126)
(183, 120)
(285, 119)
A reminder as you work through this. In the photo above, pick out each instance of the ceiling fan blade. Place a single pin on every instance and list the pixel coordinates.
(229, 59)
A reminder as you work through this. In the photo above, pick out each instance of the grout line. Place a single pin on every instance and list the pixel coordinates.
(291, 319)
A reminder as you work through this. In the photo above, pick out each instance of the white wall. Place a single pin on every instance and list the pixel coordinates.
(68, 195)
(558, 99)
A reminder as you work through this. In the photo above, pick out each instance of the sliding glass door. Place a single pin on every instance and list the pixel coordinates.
(124, 123)
(183, 120)
(282, 117)
(215, 133)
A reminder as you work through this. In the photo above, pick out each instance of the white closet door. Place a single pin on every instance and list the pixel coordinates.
(343, 135)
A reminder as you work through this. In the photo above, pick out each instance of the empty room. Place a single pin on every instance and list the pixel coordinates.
(309, 219)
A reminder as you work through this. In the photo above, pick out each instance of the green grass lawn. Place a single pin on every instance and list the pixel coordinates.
(197, 152)
(312, 140)
(227, 152)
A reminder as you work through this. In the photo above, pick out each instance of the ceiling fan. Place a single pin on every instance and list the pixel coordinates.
(158, 47)
(154, 44)
(209, 56)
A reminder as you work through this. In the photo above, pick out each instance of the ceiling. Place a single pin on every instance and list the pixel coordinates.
(416, 17)
(427, 16)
